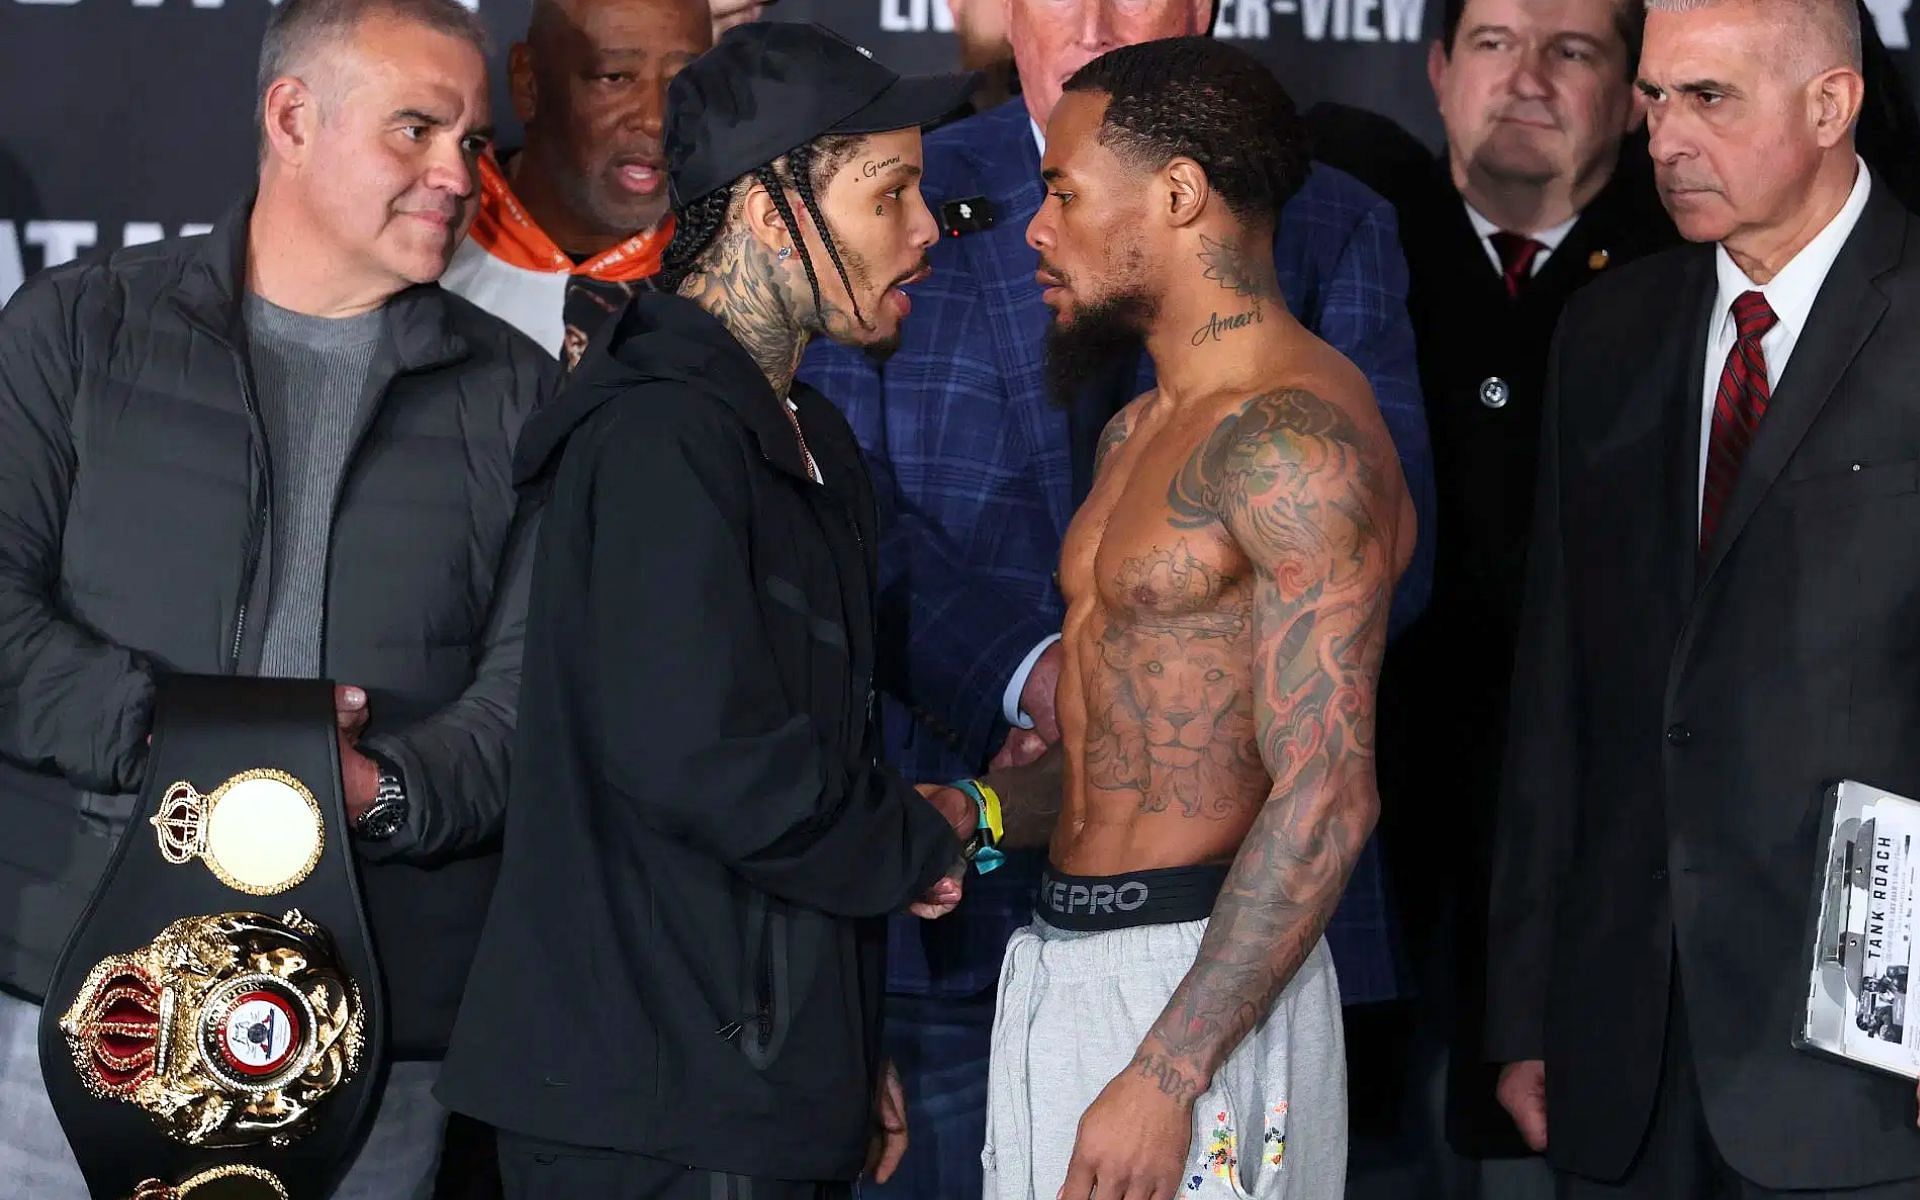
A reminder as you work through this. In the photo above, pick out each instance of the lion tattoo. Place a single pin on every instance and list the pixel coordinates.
(1173, 717)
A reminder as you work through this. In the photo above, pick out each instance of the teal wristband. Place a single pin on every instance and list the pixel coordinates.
(988, 856)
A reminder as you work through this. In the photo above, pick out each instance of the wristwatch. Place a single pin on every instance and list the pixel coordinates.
(389, 811)
(976, 842)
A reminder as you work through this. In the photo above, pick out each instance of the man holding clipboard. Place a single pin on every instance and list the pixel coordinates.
(1720, 624)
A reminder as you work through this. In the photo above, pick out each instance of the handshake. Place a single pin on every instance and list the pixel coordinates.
(963, 815)
(1023, 748)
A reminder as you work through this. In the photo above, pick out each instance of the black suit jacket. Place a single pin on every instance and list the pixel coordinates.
(1675, 721)
(1483, 360)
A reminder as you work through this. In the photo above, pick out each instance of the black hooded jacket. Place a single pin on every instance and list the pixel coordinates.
(683, 957)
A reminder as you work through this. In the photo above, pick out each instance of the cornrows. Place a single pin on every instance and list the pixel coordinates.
(694, 228)
(698, 224)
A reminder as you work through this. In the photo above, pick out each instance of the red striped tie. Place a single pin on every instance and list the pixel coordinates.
(1517, 252)
(1737, 408)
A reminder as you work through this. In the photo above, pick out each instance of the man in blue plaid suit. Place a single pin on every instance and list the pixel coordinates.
(980, 472)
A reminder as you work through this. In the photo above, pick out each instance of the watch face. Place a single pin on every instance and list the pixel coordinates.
(380, 821)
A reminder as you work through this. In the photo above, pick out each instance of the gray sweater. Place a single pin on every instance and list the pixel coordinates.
(310, 378)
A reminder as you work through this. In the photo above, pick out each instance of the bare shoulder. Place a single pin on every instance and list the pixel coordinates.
(1320, 433)
(1303, 469)
(1119, 428)
(1328, 384)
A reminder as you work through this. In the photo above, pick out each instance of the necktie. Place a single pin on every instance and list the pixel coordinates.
(1737, 408)
(1517, 252)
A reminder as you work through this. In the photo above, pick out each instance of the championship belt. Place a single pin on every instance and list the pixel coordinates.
(215, 1026)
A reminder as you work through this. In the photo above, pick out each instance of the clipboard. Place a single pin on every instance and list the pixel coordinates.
(1862, 945)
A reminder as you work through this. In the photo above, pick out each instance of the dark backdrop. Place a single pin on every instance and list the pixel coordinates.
(122, 121)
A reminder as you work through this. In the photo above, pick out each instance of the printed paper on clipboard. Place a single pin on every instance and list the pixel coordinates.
(1862, 948)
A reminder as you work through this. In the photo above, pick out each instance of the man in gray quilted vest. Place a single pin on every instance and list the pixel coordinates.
(282, 450)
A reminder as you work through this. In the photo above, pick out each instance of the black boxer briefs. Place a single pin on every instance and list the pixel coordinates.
(1097, 903)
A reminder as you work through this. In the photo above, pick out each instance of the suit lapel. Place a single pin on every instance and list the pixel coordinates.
(1624, 222)
(1681, 537)
(1848, 307)
(1459, 256)
(1680, 534)
(1573, 261)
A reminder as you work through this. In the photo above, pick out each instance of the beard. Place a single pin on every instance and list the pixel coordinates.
(859, 276)
(1092, 344)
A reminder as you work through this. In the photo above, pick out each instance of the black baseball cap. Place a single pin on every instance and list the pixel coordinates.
(770, 86)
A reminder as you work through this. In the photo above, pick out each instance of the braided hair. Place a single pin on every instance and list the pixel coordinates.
(803, 165)
(694, 228)
(698, 224)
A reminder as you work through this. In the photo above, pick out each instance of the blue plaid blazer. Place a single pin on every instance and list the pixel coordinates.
(974, 467)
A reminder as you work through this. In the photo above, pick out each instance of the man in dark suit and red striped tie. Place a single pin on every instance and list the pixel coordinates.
(1722, 618)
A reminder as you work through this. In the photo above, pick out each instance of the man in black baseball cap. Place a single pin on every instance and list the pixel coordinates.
(677, 994)
(782, 112)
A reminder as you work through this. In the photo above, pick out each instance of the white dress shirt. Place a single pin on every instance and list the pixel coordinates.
(1550, 239)
(1790, 293)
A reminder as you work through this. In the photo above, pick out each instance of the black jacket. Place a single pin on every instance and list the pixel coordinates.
(1675, 723)
(1443, 689)
(1483, 357)
(683, 957)
(134, 500)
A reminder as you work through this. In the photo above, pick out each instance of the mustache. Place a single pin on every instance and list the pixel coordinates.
(1669, 181)
(644, 154)
(922, 267)
(1052, 272)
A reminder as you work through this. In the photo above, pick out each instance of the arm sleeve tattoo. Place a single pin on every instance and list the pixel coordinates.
(1305, 494)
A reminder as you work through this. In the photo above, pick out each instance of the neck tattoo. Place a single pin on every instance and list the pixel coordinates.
(1250, 279)
(739, 282)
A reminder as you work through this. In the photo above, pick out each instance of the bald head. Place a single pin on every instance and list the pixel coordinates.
(590, 85)
(1750, 109)
(553, 20)
(555, 23)
(1813, 35)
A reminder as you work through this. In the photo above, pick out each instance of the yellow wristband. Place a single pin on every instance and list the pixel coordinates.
(992, 798)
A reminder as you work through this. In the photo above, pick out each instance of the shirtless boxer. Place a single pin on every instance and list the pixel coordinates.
(1227, 585)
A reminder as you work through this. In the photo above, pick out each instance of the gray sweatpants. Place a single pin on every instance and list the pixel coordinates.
(398, 1161)
(1073, 1010)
